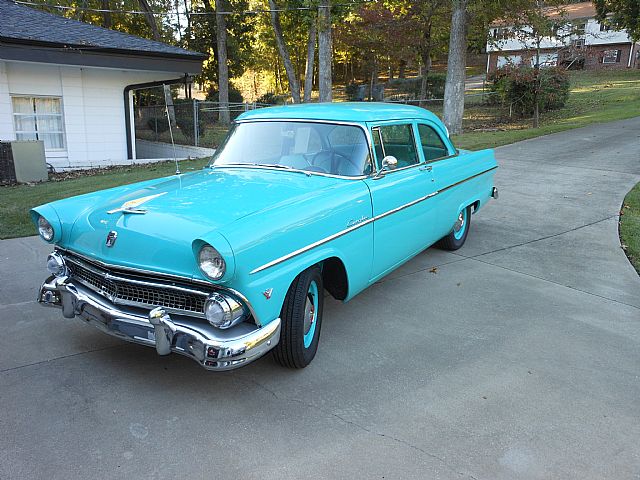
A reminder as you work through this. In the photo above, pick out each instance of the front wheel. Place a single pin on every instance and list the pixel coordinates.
(456, 238)
(301, 319)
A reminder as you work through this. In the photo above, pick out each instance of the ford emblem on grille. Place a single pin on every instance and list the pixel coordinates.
(111, 238)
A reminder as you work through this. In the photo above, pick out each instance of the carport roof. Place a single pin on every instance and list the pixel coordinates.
(27, 27)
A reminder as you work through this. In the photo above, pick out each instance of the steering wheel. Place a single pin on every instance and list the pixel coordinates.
(333, 157)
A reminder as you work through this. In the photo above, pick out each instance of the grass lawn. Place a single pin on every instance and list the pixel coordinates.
(630, 226)
(16, 201)
(595, 97)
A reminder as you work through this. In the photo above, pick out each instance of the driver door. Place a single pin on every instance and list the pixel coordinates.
(399, 197)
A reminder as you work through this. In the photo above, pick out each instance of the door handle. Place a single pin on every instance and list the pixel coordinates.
(426, 168)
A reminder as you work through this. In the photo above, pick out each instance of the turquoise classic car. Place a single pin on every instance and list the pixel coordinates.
(227, 263)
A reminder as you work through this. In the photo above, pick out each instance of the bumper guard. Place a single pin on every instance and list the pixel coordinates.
(212, 348)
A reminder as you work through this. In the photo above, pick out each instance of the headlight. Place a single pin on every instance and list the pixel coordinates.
(56, 265)
(45, 229)
(211, 263)
(223, 311)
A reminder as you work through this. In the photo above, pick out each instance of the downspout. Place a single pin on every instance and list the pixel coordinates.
(127, 111)
(633, 47)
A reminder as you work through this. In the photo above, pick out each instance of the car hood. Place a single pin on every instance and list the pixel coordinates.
(177, 211)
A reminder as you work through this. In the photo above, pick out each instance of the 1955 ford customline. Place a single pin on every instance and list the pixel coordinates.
(225, 264)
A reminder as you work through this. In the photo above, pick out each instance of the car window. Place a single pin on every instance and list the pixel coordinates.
(432, 145)
(312, 146)
(377, 144)
(398, 141)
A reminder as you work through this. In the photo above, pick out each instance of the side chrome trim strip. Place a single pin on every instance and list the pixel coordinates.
(362, 224)
(311, 246)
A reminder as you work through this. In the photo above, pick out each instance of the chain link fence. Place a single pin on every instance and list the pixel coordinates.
(196, 123)
(193, 123)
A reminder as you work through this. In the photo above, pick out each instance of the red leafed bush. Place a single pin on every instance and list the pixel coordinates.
(516, 86)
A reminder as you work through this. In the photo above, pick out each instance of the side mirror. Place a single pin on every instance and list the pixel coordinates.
(389, 162)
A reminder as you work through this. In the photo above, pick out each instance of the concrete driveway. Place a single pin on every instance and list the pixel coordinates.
(519, 358)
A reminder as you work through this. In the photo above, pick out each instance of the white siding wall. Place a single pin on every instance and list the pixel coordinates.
(593, 36)
(92, 103)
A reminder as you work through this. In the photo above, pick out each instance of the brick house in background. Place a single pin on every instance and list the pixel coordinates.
(591, 44)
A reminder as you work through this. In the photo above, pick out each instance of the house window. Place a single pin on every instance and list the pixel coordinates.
(611, 56)
(39, 118)
(580, 28)
(605, 27)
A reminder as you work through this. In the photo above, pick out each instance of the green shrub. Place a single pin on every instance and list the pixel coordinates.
(158, 124)
(185, 124)
(271, 98)
(351, 91)
(516, 86)
(234, 95)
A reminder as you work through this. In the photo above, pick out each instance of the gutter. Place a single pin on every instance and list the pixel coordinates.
(127, 111)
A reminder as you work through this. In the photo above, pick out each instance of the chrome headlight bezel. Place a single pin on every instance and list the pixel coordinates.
(223, 311)
(211, 263)
(45, 229)
(56, 265)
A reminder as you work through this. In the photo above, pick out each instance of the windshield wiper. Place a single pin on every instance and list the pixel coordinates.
(269, 165)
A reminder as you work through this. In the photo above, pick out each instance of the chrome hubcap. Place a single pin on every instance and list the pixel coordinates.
(459, 223)
(309, 313)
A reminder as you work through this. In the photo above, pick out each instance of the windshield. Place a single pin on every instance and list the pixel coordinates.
(313, 147)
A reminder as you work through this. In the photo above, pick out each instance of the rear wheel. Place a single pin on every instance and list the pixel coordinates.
(301, 319)
(456, 238)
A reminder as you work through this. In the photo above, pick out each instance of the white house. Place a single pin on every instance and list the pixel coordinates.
(71, 84)
(584, 42)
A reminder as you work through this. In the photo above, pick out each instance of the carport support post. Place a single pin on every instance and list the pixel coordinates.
(132, 127)
(196, 130)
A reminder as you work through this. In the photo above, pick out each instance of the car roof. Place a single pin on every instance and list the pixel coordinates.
(341, 111)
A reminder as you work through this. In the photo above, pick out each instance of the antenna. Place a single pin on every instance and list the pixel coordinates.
(173, 145)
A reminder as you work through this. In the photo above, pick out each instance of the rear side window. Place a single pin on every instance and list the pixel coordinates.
(398, 141)
(432, 145)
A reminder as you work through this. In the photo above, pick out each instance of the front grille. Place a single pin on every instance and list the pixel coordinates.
(143, 292)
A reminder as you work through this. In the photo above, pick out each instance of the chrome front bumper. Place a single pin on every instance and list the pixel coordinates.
(212, 348)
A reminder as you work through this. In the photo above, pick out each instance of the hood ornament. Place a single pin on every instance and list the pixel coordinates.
(111, 238)
(131, 205)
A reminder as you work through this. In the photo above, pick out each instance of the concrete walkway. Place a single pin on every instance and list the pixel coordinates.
(519, 358)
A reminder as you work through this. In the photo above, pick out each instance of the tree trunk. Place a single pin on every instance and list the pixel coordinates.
(151, 20)
(311, 53)
(454, 86)
(187, 12)
(325, 51)
(401, 68)
(294, 84)
(223, 68)
(107, 21)
(536, 92)
(426, 68)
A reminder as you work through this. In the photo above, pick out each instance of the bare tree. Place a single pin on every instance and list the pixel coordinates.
(456, 65)
(223, 68)
(294, 84)
(151, 20)
(311, 53)
(325, 51)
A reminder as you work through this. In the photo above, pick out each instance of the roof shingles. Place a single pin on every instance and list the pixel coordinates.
(21, 24)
